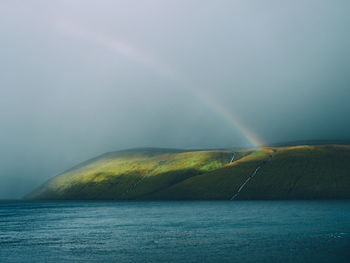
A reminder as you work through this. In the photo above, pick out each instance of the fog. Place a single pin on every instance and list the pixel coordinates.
(80, 78)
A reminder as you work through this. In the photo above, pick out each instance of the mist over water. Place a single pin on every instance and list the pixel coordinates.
(80, 78)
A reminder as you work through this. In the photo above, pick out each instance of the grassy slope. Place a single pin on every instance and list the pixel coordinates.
(217, 184)
(130, 174)
(301, 172)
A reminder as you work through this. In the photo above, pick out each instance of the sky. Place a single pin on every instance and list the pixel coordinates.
(80, 78)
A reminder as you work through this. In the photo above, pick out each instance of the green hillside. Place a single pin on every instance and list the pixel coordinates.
(298, 172)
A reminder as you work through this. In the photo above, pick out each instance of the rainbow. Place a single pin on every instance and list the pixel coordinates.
(125, 49)
(230, 118)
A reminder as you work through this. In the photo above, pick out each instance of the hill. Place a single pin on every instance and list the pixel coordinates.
(297, 172)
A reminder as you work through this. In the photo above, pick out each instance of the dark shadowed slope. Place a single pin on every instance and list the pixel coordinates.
(299, 172)
(131, 174)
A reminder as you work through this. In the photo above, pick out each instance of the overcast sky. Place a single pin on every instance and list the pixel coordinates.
(80, 78)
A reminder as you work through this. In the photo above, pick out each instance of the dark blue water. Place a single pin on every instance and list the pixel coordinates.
(286, 231)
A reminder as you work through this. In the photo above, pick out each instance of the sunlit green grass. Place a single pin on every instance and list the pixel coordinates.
(112, 176)
(299, 172)
(217, 184)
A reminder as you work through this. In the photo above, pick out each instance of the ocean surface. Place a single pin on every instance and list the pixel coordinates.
(236, 231)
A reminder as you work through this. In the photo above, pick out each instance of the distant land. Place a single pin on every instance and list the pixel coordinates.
(266, 173)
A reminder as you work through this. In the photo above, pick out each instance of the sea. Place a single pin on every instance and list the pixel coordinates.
(186, 231)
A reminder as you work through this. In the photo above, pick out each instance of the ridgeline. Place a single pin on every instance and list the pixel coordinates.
(268, 173)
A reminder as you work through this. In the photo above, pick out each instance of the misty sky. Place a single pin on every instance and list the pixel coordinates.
(80, 78)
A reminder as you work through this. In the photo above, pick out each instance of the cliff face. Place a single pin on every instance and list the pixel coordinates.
(298, 172)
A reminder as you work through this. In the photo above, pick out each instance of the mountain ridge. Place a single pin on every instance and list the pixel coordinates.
(295, 172)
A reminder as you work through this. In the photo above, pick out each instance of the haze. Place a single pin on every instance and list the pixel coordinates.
(80, 78)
